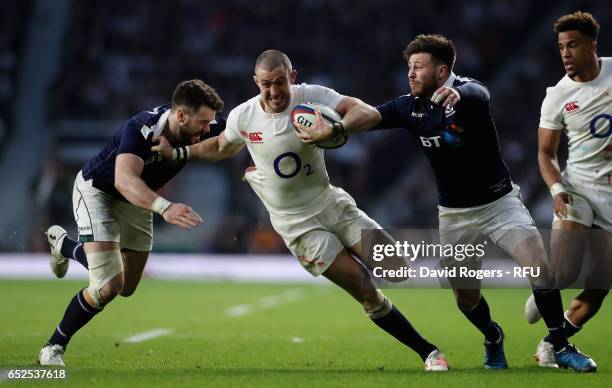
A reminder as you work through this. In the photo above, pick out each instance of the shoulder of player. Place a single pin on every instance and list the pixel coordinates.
(243, 112)
(461, 80)
(606, 65)
(401, 105)
(145, 123)
(560, 91)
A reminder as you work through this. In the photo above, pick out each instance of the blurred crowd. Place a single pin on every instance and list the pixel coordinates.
(13, 24)
(121, 57)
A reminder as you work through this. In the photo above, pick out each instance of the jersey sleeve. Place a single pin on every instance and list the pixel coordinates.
(232, 127)
(322, 95)
(136, 139)
(473, 91)
(393, 114)
(551, 116)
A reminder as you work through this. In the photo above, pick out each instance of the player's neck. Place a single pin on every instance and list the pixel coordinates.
(590, 72)
(171, 128)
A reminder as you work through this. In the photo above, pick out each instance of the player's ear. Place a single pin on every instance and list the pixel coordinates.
(255, 79)
(442, 72)
(180, 115)
(293, 75)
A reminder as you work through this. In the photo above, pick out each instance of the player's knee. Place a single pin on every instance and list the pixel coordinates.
(127, 290)
(105, 276)
(467, 300)
(110, 290)
(379, 309)
(565, 278)
(369, 295)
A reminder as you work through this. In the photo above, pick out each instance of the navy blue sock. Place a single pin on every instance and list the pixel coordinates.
(569, 329)
(77, 314)
(551, 308)
(398, 326)
(480, 316)
(74, 250)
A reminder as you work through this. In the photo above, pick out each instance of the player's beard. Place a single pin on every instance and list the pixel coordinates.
(425, 88)
(185, 137)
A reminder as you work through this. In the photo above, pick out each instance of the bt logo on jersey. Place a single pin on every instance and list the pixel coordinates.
(428, 142)
(572, 106)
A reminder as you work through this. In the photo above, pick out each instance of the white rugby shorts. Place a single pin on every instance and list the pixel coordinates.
(101, 217)
(317, 237)
(592, 203)
(506, 221)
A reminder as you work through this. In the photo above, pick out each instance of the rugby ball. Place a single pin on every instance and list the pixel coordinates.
(304, 114)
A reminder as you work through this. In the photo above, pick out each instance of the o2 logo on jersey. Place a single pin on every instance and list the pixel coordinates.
(593, 126)
(297, 165)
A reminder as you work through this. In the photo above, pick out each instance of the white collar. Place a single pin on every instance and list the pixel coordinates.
(450, 81)
(161, 123)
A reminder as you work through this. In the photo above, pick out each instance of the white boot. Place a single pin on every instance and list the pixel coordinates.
(436, 362)
(51, 355)
(59, 264)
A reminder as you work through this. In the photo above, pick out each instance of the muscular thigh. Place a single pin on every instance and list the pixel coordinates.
(567, 250)
(94, 213)
(346, 220)
(309, 241)
(352, 277)
(136, 227)
(133, 266)
(600, 269)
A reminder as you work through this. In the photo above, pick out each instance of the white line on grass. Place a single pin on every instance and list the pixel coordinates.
(238, 310)
(147, 335)
(268, 302)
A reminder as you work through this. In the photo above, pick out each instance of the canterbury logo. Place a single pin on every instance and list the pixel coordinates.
(572, 106)
(255, 137)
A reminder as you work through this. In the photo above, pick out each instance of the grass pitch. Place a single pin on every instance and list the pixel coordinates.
(228, 334)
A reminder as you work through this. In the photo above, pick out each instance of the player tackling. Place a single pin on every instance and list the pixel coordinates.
(113, 201)
(450, 117)
(320, 224)
(580, 105)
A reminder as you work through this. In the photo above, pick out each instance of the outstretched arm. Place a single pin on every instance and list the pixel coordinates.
(209, 150)
(128, 169)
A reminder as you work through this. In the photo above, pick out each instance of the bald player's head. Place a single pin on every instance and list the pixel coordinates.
(272, 59)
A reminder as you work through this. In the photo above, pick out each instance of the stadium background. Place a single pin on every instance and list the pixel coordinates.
(70, 71)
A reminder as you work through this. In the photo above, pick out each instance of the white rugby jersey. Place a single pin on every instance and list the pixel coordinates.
(290, 176)
(584, 111)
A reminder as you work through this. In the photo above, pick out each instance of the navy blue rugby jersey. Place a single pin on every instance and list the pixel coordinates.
(460, 143)
(135, 137)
